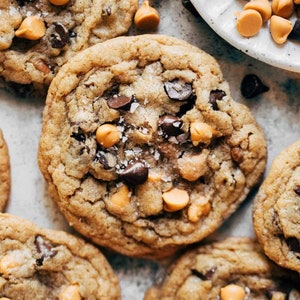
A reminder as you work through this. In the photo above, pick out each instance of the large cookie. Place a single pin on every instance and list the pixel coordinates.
(37, 263)
(235, 268)
(276, 208)
(69, 28)
(4, 173)
(144, 148)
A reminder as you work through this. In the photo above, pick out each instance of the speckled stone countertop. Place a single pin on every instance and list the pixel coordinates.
(277, 111)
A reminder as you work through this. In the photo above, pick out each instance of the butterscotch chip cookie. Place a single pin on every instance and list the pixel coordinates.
(235, 268)
(38, 36)
(4, 173)
(276, 209)
(37, 263)
(143, 147)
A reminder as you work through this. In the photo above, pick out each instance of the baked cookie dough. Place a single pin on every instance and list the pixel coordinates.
(37, 263)
(276, 209)
(38, 36)
(4, 173)
(235, 268)
(143, 147)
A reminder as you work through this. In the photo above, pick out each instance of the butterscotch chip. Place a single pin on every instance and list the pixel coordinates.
(249, 22)
(232, 269)
(262, 6)
(276, 209)
(134, 196)
(283, 8)
(37, 263)
(4, 172)
(52, 31)
(280, 29)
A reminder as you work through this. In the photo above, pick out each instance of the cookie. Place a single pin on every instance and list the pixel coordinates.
(235, 268)
(37, 263)
(276, 209)
(4, 173)
(38, 36)
(143, 147)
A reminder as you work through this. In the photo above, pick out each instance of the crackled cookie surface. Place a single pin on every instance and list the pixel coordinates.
(37, 263)
(38, 36)
(144, 148)
(276, 209)
(4, 173)
(235, 268)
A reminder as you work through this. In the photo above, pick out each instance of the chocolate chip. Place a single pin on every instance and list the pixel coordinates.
(72, 34)
(113, 91)
(252, 86)
(178, 91)
(295, 33)
(78, 136)
(294, 244)
(297, 189)
(23, 2)
(170, 125)
(106, 11)
(187, 105)
(60, 36)
(199, 274)
(44, 248)
(135, 173)
(237, 154)
(120, 102)
(214, 96)
(207, 276)
(107, 159)
(183, 138)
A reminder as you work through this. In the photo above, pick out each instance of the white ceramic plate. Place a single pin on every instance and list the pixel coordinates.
(220, 16)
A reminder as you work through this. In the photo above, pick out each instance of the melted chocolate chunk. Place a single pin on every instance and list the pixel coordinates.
(120, 102)
(252, 86)
(135, 173)
(183, 138)
(294, 244)
(187, 105)
(207, 276)
(44, 248)
(72, 34)
(295, 33)
(178, 91)
(113, 91)
(22, 45)
(106, 11)
(60, 36)
(23, 2)
(170, 125)
(107, 159)
(297, 189)
(214, 96)
(79, 136)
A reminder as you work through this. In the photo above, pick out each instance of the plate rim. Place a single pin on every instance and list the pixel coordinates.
(290, 53)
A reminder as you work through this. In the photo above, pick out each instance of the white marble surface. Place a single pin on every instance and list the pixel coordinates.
(277, 111)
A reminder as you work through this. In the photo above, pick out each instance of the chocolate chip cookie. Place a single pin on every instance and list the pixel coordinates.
(235, 268)
(4, 173)
(143, 147)
(276, 209)
(37, 263)
(38, 36)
